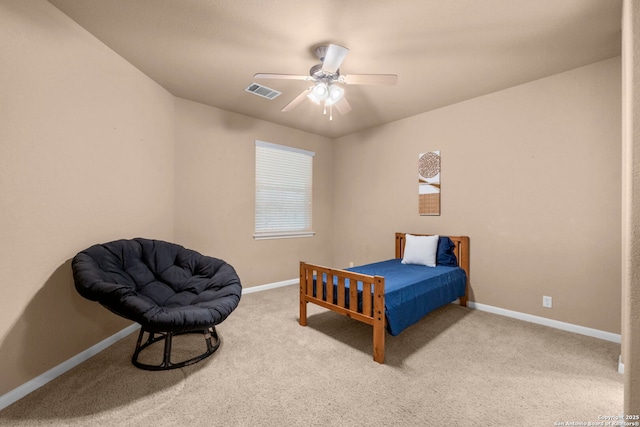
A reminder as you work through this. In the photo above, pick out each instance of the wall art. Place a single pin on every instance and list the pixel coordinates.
(429, 183)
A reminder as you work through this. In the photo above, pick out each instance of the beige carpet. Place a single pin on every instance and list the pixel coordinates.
(457, 367)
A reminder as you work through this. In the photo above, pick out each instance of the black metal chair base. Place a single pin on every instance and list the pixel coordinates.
(210, 336)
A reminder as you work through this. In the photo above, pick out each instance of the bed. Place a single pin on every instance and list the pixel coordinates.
(390, 295)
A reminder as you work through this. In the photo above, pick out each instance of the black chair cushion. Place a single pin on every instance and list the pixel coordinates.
(163, 286)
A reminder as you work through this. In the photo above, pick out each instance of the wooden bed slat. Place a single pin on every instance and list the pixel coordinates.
(330, 291)
(366, 300)
(353, 296)
(340, 290)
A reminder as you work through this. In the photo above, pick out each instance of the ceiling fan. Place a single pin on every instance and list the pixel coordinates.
(328, 80)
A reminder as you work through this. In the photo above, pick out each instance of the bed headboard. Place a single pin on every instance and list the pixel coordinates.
(461, 250)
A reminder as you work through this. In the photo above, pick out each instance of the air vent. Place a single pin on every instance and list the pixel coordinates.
(263, 91)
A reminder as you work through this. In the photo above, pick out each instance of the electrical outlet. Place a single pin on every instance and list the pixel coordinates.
(350, 263)
(547, 301)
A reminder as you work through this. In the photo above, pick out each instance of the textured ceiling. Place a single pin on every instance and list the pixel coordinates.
(444, 51)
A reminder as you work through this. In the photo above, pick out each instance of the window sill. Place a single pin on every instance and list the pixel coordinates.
(283, 235)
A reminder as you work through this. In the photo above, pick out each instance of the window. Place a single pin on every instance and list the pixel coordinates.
(283, 191)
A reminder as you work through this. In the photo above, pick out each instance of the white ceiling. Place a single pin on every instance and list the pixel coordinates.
(444, 51)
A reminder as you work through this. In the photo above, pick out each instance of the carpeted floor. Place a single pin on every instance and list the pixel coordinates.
(457, 367)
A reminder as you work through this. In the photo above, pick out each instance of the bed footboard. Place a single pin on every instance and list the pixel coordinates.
(334, 289)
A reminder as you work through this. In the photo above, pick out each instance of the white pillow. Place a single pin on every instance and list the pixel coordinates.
(420, 250)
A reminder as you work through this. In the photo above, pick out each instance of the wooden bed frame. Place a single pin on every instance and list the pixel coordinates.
(373, 312)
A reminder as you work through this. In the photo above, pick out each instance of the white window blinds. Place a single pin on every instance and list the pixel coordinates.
(283, 191)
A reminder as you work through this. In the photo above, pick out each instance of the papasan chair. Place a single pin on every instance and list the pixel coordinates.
(166, 288)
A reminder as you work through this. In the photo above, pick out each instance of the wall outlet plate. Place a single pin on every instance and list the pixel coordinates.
(547, 301)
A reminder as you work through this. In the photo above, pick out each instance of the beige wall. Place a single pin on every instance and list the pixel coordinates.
(92, 150)
(631, 206)
(531, 174)
(215, 192)
(86, 155)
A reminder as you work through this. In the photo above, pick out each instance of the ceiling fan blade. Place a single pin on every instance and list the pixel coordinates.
(370, 79)
(333, 58)
(297, 100)
(343, 106)
(281, 76)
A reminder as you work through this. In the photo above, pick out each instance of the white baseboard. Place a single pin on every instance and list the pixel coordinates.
(270, 286)
(620, 365)
(34, 384)
(582, 330)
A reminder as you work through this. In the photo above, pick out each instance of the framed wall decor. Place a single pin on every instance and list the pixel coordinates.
(429, 183)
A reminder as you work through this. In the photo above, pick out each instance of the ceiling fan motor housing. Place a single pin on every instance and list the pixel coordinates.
(319, 74)
(321, 51)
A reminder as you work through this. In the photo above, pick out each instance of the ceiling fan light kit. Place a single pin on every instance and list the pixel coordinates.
(328, 79)
(335, 94)
(319, 92)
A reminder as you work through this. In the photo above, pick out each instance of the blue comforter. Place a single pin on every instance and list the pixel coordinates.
(412, 291)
